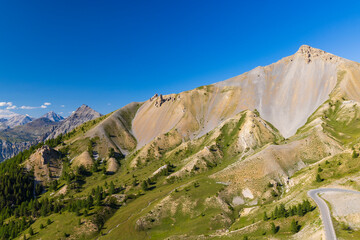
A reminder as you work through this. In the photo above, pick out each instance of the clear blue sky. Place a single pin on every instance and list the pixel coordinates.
(109, 53)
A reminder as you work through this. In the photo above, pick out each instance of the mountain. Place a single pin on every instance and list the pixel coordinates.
(14, 121)
(226, 160)
(21, 137)
(18, 120)
(285, 93)
(16, 139)
(81, 115)
(53, 116)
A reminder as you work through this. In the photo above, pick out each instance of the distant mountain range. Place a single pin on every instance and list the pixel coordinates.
(20, 132)
(14, 121)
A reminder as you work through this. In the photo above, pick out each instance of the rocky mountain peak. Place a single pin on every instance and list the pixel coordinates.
(310, 53)
(306, 49)
(52, 116)
(18, 120)
(83, 107)
(83, 114)
(86, 110)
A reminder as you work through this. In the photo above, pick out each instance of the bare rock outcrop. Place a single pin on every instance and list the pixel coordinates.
(310, 53)
(46, 163)
(9, 149)
(112, 165)
(84, 159)
(161, 100)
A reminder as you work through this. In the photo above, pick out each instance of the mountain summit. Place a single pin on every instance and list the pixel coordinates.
(16, 120)
(52, 116)
(83, 114)
(285, 94)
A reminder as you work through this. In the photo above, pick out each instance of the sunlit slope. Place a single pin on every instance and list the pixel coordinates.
(285, 93)
(204, 162)
(109, 131)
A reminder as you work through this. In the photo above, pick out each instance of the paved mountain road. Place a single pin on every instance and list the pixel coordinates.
(324, 210)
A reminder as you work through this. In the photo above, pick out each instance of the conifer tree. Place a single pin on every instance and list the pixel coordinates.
(265, 217)
(294, 228)
(274, 229)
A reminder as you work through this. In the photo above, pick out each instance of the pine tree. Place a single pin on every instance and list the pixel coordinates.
(300, 210)
(90, 201)
(276, 212)
(77, 212)
(112, 188)
(294, 228)
(31, 231)
(273, 228)
(318, 178)
(307, 206)
(282, 211)
(291, 211)
(144, 185)
(265, 217)
(98, 199)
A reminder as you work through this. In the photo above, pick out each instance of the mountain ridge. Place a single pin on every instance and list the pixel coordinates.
(227, 160)
(83, 114)
(21, 137)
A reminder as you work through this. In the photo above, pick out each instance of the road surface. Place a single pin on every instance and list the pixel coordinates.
(324, 210)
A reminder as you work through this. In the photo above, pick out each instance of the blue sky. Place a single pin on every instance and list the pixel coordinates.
(57, 55)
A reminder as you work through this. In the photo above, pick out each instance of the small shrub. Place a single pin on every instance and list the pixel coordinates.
(274, 194)
(318, 178)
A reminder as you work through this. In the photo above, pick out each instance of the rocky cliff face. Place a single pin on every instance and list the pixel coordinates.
(19, 138)
(285, 93)
(81, 115)
(45, 163)
(9, 149)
